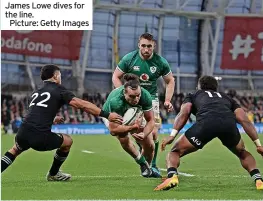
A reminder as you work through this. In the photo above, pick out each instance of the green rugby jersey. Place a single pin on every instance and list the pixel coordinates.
(147, 70)
(116, 101)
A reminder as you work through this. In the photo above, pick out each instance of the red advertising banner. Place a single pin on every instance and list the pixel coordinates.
(52, 44)
(243, 43)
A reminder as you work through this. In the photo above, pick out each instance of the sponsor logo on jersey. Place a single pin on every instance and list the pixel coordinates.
(196, 141)
(153, 69)
(144, 77)
(137, 68)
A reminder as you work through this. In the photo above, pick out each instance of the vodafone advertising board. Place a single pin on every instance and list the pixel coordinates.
(52, 44)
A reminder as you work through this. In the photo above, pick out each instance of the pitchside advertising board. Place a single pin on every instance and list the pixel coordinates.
(52, 44)
(243, 43)
(93, 129)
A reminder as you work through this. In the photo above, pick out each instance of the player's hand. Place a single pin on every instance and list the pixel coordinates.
(138, 136)
(167, 140)
(114, 117)
(58, 120)
(168, 106)
(260, 150)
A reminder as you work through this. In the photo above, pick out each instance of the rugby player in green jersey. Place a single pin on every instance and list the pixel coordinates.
(120, 100)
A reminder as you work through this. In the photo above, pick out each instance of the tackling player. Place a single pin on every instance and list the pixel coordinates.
(119, 101)
(35, 130)
(148, 66)
(216, 115)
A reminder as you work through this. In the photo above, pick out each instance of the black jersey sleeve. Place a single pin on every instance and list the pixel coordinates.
(188, 98)
(66, 95)
(234, 104)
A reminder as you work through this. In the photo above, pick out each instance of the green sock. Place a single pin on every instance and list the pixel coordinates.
(156, 143)
(141, 160)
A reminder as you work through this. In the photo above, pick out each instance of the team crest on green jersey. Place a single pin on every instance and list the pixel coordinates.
(153, 69)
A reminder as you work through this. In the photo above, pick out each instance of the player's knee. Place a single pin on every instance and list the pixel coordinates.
(68, 141)
(15, 151)
(149, 146)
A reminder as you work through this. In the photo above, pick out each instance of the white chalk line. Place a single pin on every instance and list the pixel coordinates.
(88, 152)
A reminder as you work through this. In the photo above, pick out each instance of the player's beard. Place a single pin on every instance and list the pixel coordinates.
(146, 55)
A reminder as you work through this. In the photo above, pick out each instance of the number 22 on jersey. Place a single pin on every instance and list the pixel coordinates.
(46, 95)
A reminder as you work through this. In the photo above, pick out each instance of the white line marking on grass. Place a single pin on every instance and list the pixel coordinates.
(88, 152)
(180, 173)
(105, 176)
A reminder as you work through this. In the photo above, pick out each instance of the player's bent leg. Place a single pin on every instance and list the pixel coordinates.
(21, 144)
(156, 144)
(147, 145)
(63, 145)
(130, 148)
(248, 162)
(9, 157)
(181, 148)
(148, 151)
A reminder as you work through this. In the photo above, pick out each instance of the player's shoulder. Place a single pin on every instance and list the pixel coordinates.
(193, 93)
(146, 93)
(130, 55)
(226, 96)
(159, 58)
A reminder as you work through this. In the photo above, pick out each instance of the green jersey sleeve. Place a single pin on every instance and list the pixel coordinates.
(146, 101)
(166, 67)
(107, 106)
(123, 63)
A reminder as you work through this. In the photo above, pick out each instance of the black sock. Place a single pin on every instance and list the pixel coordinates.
(7, 160)
(255, 174)
(59, 158)
(171, 171)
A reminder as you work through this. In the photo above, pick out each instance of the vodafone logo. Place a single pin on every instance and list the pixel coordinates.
(25, 43)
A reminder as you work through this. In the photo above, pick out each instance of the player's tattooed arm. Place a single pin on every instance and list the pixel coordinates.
(116, 78)
(93, 109)
(179, 122)
(183, 116)
(246, 124)
(249, 128)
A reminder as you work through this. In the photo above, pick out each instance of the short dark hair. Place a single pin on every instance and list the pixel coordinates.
(147, 36)
(131, 80)
(208, 83)
(48, 71)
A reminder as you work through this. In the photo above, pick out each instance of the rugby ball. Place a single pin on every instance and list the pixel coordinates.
(131, 115)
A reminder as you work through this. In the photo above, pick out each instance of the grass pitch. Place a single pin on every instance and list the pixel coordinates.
(110, 173)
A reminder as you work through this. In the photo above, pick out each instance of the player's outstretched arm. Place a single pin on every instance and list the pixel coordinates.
(93, 109)
(248, 126)
(179, 122)
(116, 78)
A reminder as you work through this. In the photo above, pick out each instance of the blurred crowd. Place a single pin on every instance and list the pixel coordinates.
(13, 110)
